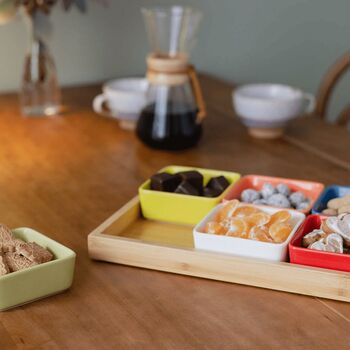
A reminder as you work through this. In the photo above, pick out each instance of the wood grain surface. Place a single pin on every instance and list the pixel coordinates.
(63, 176)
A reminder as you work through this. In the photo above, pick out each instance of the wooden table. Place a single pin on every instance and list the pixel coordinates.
(63, 176)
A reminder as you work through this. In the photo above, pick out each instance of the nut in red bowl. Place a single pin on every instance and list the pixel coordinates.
(310, 189)
(310, 257)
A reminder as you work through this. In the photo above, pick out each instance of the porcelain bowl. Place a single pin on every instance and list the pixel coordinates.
(265, 109)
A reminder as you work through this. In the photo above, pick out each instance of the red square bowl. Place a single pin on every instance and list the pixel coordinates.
(312, 190)
(310, 257)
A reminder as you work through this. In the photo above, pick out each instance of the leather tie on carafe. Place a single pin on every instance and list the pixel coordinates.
(170, 71)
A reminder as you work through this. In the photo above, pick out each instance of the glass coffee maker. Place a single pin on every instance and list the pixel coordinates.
(173, 118)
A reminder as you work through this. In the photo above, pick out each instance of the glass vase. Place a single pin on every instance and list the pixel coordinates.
(40, 93)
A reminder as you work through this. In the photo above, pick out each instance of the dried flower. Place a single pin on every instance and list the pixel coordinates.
(8, 10)
(45, 6)
(79, 3)
(32, 6)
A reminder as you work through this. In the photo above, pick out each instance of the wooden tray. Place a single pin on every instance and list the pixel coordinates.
(127, 238)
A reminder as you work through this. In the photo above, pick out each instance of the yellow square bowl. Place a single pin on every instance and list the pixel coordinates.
(181, 208)
(36, 282)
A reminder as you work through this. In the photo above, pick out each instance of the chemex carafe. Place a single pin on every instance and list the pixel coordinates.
(173, 118)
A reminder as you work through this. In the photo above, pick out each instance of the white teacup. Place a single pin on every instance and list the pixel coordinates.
(124, 98)
(266, 108)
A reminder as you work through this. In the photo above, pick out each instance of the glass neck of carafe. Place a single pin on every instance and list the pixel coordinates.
(171, 30)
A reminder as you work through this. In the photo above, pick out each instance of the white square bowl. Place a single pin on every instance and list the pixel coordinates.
(245, 247)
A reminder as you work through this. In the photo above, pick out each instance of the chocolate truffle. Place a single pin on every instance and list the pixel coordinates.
(194, 177)
(211, 192)
(219, 183)
(186, 188)
(165, 182)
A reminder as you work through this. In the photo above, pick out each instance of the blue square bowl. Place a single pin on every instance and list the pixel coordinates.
(330, 192)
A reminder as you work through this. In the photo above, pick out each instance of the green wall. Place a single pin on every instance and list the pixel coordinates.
(285, 41)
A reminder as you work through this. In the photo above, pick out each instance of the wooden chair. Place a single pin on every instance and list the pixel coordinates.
(326, 89)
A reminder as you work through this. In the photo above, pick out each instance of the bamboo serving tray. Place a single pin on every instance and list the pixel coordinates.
(126, 238)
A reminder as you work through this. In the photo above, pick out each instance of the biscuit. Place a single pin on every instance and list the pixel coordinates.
(6, 239)
(17, 262)
(34, 252)
(4, 269)
(15, 254)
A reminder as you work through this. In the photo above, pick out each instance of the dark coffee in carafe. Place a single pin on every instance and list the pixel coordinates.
(174, 129)
(172, 120)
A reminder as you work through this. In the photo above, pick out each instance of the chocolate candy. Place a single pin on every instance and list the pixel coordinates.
(194, 178)
(219, 183)
(211, 192)
(186, 187)
(165, 182)
(188, 182)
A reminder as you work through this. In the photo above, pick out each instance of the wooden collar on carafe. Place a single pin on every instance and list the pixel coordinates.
(167, 70)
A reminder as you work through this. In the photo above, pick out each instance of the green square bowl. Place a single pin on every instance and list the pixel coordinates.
(37, 282)
(181, 208)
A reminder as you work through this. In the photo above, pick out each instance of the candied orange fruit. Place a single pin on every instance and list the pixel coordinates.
(280, 216)
(227, 210)
(260, 233)
(258, 219)
(215, 228)
(246, 210)
(237, 227)
(250, 222)
(280, 231)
